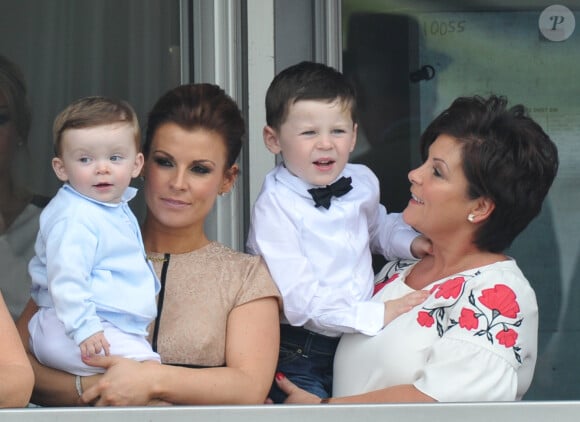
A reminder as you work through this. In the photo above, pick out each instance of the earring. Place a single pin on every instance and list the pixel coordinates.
(471, 218)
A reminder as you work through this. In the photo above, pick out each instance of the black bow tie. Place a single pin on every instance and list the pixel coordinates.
(322, 196)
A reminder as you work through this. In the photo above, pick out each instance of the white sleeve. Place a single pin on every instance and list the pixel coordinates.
(488, 340)
(461, 371)
(391, 236)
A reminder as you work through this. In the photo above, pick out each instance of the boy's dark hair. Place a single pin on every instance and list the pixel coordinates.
(307, 81)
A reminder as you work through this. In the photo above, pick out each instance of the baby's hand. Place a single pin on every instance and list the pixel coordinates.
(421, 246)
(396, 307)
(94, 345)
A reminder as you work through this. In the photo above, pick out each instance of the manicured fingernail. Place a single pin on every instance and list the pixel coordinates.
(279, 376)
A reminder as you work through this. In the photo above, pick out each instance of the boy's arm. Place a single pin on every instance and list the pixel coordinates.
(95, 344)
(421, 246)
(70, 257)
(275, 237)
(390, 236)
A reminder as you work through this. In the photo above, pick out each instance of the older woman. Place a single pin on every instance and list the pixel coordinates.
(217, 328)
(487, 169)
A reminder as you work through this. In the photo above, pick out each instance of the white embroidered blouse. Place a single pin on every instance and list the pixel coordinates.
(474, 339)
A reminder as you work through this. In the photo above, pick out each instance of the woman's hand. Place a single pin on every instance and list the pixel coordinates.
(125, 383)
(296, 395)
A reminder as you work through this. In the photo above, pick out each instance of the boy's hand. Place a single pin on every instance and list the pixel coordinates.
(396, 307)
(421, 246)
(94, 345)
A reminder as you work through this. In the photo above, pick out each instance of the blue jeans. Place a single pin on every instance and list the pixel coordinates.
(306, 359)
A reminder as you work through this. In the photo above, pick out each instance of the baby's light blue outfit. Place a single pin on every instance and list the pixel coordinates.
(90, 271)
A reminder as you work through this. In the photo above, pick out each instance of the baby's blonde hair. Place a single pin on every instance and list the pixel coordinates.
(91, 112)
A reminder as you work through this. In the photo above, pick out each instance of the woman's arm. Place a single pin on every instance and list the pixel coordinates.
(16, 376)
(51, 386)
(397, 394)
(252, 344)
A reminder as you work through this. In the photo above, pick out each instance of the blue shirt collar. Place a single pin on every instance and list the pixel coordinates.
(129, 194)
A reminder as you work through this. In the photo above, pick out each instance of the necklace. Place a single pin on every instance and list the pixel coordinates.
(157, 259)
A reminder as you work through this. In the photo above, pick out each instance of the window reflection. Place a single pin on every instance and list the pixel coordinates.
(69, 49)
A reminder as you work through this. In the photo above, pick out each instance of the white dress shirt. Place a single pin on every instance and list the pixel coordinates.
(321, 258)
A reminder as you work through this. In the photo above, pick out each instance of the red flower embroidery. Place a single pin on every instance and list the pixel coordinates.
(507, 337)
(501, 309)
(425, 319)
(382, 284)
(451, 288)
(501, 299)
(468, 320)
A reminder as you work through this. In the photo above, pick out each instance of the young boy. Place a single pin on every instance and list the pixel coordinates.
(316, 221)
(90, 275)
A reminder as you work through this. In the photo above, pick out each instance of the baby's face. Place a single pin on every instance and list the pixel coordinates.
(316, 140)
(99, 162)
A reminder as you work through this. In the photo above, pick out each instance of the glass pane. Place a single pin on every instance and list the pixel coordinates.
(68, 49)
(410, 59)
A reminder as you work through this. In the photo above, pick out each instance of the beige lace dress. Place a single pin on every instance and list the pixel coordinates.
(199, 289)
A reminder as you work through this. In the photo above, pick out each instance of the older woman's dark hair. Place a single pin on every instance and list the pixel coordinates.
(507, 157)
(199, 106)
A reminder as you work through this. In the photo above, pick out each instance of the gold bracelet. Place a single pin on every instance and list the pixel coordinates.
(78, 385)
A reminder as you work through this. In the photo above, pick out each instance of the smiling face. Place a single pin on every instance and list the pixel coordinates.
(315, 140)
(439, 202)
(184, 172)
(99, 162)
